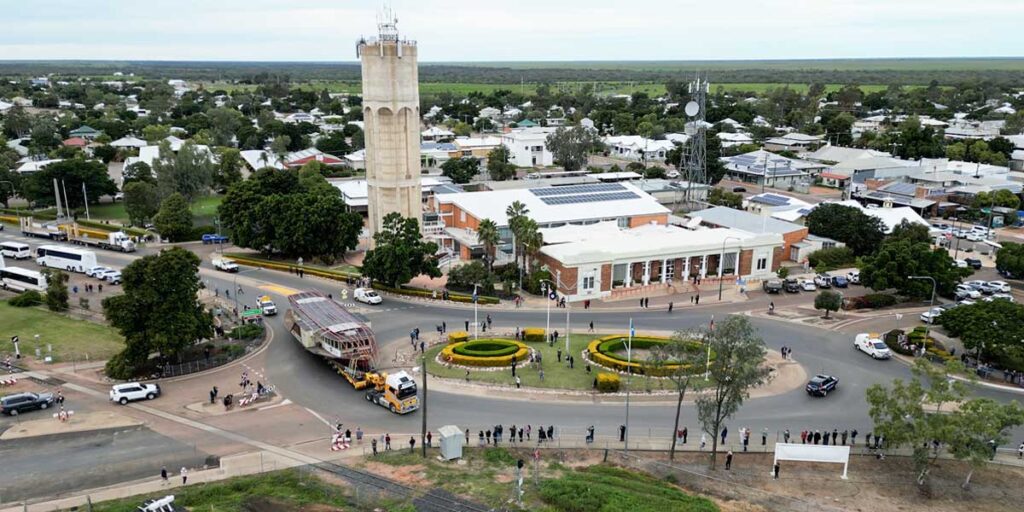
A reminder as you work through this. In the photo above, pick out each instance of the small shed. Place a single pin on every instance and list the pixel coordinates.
(452, 440)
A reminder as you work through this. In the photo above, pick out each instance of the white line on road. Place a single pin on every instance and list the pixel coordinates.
(321, 418)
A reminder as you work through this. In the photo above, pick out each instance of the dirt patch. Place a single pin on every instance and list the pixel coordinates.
(413, 475)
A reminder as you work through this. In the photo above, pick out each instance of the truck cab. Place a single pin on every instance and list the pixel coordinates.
(120, 240)
(267, 305)
(225, 265)
(397, 392)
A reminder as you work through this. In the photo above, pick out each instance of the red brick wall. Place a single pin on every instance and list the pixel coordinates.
(606, 277)
(568, 274)
(777, 257)
(746, 262)
(641, 220)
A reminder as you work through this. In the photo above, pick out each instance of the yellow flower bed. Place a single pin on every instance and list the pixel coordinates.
(458, 337)
(608, 382)
(448, 355)
(534, 334)
(641, 368)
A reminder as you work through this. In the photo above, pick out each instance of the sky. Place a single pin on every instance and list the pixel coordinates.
(517, 30)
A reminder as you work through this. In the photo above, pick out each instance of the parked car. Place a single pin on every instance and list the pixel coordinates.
(977, 284)
(791, 285)
(808, 285)
(739, 190)
(966, 302)
(13, 405)
(367, 296)
(112, 277)
(823, 281)
(840, 282)
(132, 391)
(960, 264)
(214, 238)
(872, 345)
(1009, 275)
(96, 271)
(853, 277)
(964, 291)
(772, 286)
(1000, 286)
(1004, 296)
(974, 263)
(672, 174)
(974, 237)
(931, 315)
(821, 385)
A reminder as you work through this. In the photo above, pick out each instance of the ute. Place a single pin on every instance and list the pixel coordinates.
(325, 328)
(267, 305)
(225, 265)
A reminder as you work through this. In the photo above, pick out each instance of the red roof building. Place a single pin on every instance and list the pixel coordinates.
(76, 142)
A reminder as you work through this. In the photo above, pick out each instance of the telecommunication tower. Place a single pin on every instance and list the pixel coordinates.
(695, 169)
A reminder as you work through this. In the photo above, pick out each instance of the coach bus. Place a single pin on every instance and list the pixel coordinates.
(20, 280)
(15, 250)
(65, 258)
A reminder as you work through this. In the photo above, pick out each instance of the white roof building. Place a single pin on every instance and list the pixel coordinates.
(257, 159)
(635, 147)
(129, 142)
(527, 147)
(436, 134)
(734, 139)
(35, 165)
(837, 154)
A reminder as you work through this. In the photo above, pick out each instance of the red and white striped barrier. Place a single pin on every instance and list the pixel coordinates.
(340, 442)
(246, 400)
(8, 382)
(63, 416)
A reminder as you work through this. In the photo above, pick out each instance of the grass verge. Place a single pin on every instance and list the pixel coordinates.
(72, 339)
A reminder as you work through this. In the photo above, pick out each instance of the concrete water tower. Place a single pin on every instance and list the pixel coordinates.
(391, 117)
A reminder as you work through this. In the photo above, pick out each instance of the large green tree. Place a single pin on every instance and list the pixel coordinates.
(679, 360)
(570, 147)
(498, 166)
(188, 172)
(71, 174)
(141, 202)
(736, 368)
(461, 170)
(858, 230)
(720, 197)
(992, 330)
(56, 290)
(229, 169)
(828, 300)
(400, 253)
(159, 311)
(898, 258)
(1009, 259)
(10, 184)
(174, 219)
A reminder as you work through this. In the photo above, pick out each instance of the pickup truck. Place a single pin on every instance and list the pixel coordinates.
(225, 265)
(772, 286)
(267, 305)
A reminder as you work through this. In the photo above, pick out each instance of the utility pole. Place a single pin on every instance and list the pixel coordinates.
(423, 433)
(629, 373)
(85, 195)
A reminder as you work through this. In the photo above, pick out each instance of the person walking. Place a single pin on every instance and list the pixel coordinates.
(591, 326)
(488, 436)
(670, 307)
(622, 433)
(373, 444)
(775, 471)
(725, 432)
(164, 481)
(467, 326)
(1020, 451)
(184, 475)
(697, 300)
(764, 436)
(803, 437)
(728, 461)
(412, 444)
(551, 431)
(785, 436)
(520, 434)
(685, 433)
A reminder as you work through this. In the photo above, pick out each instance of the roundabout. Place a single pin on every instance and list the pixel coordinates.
(487, 353)
(640, 355)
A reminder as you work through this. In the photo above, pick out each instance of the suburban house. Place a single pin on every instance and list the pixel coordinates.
(527, 147)
(86, 132)
(437, 134)
(829, 154)
(129, 142)
(734, 139)
(795, 142)
(622, 203)
(635, 147)
(763, 167)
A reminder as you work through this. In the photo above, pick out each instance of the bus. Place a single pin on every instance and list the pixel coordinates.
(15, 250)
(65, 258)
(20, 280)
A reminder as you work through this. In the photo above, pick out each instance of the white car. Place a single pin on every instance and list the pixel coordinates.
(367, 296)
(823, 281)
(853, 277)
(107, 274)
(672, 174)
(967, 302)
(974, 237)
(1000, 286)
(931, 315)
(132, 391)
(112, 277)
(960, 263)
(96, 271)
(964, 291)
(976, 284)
(808, 286)
(872, 345)
(1005, 296)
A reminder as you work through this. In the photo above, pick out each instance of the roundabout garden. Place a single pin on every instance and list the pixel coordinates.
(487, 352)
(610, 352)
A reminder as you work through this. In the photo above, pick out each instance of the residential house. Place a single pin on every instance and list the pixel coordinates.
(437, 134)
(86, 132)
(763, 167)
(637, 148)
(795, 142)
(527, 147)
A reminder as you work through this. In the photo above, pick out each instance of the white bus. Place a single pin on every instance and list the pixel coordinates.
(65, 258)
(16, 250)
(19, 279)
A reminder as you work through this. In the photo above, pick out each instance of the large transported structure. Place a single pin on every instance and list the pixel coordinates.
(325, 328)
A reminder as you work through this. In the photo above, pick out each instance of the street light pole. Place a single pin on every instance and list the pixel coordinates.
(931, 303)
(476, 319)
(423, 433)
(721, 265)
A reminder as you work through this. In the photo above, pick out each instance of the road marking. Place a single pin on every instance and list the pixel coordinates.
(281, 404)
(283, 290)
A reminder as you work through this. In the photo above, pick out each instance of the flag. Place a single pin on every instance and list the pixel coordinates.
(632, 330)
(475, 296)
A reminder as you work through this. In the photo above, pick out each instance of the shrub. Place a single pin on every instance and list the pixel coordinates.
(783, 272)
(487, 348)
(831, 258)
(27, 299)
(119, 368)
(234, 350)
(246, 332)
(534, 334)
(871, 301)
(608, 382)
(458, 337)
(450, 353)
(602, 351)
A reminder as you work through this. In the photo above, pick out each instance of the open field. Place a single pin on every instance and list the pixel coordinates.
(204, 209)
(936, 64)
(71, 339)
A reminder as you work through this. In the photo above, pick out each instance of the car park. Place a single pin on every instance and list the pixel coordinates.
(964, 291)
(840, 282)
(872, 345)
(1000, 286)
(96, 271)
(13, 405)
(822, 281)
(974, 263)
(930, 316)
(821, 385)
(791, 285)
(132, 391)
(808, 285)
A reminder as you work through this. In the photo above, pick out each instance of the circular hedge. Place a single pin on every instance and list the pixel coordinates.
(487, 348)
(485, 352)
(603, 350)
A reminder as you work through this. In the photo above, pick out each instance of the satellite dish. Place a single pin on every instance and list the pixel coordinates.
(692, 108)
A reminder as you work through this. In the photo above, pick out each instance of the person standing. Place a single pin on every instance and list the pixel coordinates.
(387, 442)
(670, 307)
(703, 440)
(373, 444)
(488, 436)
(622, 433)
(725, 432)
(853, 437)
(164, 481)
(844, 435)
(775, 471)
(430, 438)
(803, 437)
(529, 428)
(764, 436)
(412, 444)
(728, 461)
(481, 438)
(835, 434)
(519, 382)
(785, 436)
(1020, 451)
(591, 326)
(184, 475)
(697, 300)
(685, 433)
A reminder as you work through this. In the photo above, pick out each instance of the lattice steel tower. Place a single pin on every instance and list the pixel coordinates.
(695, 168)
(391, 117)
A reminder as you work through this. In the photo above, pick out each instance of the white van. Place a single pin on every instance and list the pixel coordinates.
(15, 250)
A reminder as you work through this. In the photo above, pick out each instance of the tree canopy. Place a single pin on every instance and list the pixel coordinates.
(174, 219)
(859, 231)
(141, 202)
(1010, 259)
(498, 166)
(461, 169)
(992, 329)
(38, 186)
(902, 256)
(570, 147)
(400, 253)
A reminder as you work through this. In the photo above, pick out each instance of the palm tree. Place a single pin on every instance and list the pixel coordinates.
(516, 212)
(487, 234)
(531, 237)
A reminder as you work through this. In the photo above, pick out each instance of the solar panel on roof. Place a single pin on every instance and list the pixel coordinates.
(576, 189)
(770, 200)
(588, 198)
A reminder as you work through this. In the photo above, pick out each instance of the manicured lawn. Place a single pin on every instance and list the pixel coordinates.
(72, 339)
(556, 375)
(204, 210)
(286, 491)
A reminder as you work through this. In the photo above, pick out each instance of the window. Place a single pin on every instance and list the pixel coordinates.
(623, 222)
(462, 215)
(467, 153)
(762, 263)
(828, 245)
(587, 283)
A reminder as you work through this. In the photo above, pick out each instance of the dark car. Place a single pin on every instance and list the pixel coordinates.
(840, 282)
(820, 385)
(974, 263)
(13, 405)
(772, 286)
(739, 190)
(213, 238)
(791, 285)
